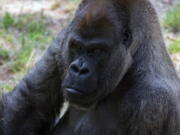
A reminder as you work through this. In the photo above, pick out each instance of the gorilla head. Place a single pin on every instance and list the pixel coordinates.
(97, 52)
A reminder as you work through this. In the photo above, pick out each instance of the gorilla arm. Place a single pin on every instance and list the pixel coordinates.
(152, 112)
(36, 101)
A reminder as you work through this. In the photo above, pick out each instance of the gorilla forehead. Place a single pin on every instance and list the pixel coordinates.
(97, 17)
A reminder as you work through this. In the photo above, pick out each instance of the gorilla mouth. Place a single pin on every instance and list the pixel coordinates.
(78, 97)
(74, 91)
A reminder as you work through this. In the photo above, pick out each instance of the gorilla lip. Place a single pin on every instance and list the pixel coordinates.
(74, 91)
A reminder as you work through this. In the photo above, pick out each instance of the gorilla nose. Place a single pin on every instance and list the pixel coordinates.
(81, 69)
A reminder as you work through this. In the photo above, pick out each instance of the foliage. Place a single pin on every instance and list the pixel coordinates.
(172, 19)
(174, 47)
(7, 20)
(4, 54)
(23, 34)
(21, 58)
(7, 87)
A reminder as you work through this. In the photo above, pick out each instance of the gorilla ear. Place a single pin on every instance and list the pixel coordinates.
(137, 23)
(127, 37)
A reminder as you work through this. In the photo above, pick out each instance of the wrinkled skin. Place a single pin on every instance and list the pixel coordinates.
(111, 65)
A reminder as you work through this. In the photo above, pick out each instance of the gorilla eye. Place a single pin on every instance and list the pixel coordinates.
(96, 51)
(75, 47)
(75, 50)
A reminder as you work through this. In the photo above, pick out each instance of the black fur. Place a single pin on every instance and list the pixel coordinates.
(112, 66)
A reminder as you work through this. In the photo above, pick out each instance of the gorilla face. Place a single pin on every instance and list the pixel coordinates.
(96, 57)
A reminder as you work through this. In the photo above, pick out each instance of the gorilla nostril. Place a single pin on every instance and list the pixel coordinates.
(84, 71)
(81, 70)
(74, 68)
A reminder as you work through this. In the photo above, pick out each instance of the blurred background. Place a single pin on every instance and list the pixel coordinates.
(27, 27)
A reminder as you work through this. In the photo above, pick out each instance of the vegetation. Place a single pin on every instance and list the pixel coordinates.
(22, 38)
(171, 24)
(4, 54)
(172, 19)
(20, 35)
(174, 47)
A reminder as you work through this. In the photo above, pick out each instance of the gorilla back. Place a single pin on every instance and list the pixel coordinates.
(112, 66)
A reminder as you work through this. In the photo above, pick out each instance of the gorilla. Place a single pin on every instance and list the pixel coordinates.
(110, 63)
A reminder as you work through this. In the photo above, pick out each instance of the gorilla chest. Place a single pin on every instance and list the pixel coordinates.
(92, 123)
(89, 126)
